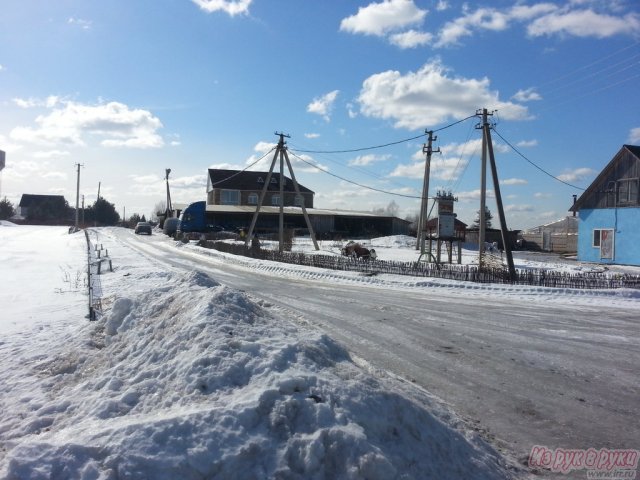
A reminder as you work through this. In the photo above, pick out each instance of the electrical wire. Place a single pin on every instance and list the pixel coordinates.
(244, 169)
(352, 150)
(379, 190)
(537, 166)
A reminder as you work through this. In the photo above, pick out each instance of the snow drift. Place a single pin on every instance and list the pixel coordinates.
(190, 379)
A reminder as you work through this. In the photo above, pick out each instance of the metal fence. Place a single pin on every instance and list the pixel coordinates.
(93, 279)
(540, 278)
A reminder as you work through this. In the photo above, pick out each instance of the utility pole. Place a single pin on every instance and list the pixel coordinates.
(83, 210)
(487, 147)
(77, 194)
(424, 213)
(281, 152)
(99, 183)
(169, 209)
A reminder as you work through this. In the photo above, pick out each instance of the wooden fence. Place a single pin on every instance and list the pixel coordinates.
(540, 278)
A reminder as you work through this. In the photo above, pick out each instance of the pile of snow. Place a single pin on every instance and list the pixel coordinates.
(186, 378)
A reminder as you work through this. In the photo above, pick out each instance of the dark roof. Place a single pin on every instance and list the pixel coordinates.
(29, 199)
(244, 180)
(635, 151)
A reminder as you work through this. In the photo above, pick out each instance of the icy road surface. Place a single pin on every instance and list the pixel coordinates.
(524, 366)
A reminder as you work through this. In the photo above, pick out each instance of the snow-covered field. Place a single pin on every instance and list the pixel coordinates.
(186, 378)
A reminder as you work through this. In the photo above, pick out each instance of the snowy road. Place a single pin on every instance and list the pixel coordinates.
(524, 372)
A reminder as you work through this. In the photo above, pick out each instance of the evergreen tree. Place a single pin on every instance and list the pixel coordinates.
(487, 218)
(103, 213)
(6, 209)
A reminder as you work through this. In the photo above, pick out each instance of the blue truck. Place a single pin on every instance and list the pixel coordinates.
(194, 219)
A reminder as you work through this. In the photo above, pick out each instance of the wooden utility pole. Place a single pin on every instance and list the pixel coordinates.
(281, 153)
(488, 144)
(77, 195)
(424, 213)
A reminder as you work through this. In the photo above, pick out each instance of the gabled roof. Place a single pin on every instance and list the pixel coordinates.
(633, 149)
(254, 181)
(29, 199)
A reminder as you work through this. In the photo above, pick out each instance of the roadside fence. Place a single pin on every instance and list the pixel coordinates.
(95, 259)
(530, 277)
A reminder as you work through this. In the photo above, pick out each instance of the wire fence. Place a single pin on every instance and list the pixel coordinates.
(94, 284)
(469, 273)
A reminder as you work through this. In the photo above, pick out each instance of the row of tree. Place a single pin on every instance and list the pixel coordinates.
(101, 212)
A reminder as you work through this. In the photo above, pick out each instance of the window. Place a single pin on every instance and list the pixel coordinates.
(229, 197)
(596, 238)
(253, 199)
(275, 200)
(299, 201)
(260, 180)
(273, 180)
(628, 191)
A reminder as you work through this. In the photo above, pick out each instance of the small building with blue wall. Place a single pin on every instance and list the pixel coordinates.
(609, 212)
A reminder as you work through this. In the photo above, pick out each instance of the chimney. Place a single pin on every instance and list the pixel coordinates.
(575, 199)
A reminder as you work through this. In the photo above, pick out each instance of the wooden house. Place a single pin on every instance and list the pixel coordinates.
(609, 212)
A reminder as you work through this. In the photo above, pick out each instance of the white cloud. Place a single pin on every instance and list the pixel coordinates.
(473, 195)
(311, 135)
(230, 7)
(483, 18)
(542, 195)
(71, 123)
(442, 5)
(585, 23)
(51, 154)
(323, 105)
(83, 24)
(542, 19)
(384, 17)
(430, 96)
(514, 181)
(634, 135)
(577, 175)
(364, 160)
(527, 143)
(410, 39)
(49, 102)
(527, 95)
(519, 208)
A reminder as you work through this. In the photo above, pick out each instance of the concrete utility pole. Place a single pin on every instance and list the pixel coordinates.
(281, 152)
(77, 195)
(424, 213)
(488, 144)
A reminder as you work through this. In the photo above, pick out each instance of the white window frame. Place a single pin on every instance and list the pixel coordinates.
(298, 201)
(275, 200)
(631, 196)
(595, 241)
(607, 248)
(252, 196)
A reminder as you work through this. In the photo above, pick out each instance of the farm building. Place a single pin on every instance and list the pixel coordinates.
(44, 208)
(233, 195)
(609, 212)
(560, 236)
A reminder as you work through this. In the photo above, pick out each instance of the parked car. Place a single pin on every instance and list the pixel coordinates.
(355, 250)
(143, 227)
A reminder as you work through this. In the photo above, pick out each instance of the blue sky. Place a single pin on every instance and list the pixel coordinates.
(129, 88)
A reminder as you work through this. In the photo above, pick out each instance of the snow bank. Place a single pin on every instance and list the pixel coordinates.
(193, 380)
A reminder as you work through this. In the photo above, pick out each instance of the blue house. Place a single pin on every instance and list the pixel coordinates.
(609, 212)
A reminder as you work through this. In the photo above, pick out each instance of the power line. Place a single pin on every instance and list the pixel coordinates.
(352, 182)
(532, 163)
(352, 150)
(244, 169)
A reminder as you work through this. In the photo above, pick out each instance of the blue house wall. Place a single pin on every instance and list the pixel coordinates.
(625, 222)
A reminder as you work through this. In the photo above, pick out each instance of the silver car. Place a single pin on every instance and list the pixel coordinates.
(143, 227)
